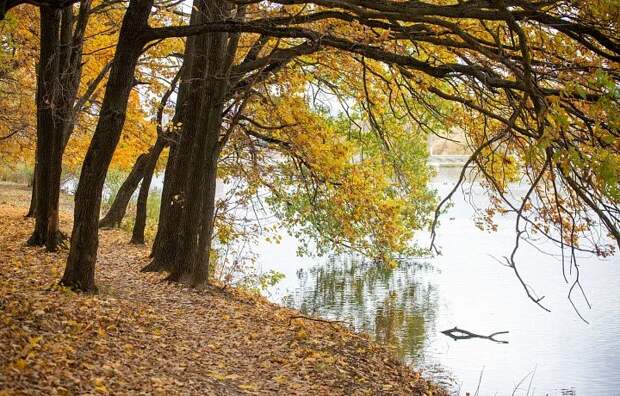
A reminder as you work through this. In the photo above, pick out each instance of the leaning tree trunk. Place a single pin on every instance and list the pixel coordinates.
(47, 92)
(80, 270)
(117, 211)
(140, 223)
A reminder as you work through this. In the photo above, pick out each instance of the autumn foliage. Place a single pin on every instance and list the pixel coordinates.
(316, 112)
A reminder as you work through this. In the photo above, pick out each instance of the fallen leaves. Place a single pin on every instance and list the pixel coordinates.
(140, 335)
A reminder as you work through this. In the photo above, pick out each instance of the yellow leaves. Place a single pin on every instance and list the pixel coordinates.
(223, 377)
(280, 379)
(34, 341)
(249, 387)
(301, 334)
(99, 386)
(108, 345)
(387, 387)
(101, 332)
(20, 364)
(217, 376)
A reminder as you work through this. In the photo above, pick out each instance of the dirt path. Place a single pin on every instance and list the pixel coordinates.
(140, 335)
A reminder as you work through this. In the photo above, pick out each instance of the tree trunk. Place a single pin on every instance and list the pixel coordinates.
(32, 210)
(46, 119)
(59, 75)
(66, 98)
(189, 97)
(140, 223)
(191, 262)
(117, 211)
(80, 270)
(166, 197)
(202, 268)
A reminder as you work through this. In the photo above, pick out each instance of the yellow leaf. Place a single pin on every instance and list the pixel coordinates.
(20, 364)
(100, 386)
(217, 376)
(280, 379)
(34, 341)
(301, 334)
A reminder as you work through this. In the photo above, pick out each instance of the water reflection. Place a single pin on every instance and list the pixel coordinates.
(392, 305)
(470, 289)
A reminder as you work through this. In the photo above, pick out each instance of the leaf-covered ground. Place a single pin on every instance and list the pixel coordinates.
(140, 335)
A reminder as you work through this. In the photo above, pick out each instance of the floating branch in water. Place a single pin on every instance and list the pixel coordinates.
(459, 334)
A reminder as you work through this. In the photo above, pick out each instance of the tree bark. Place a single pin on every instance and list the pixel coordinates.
(80, 270)
(189, 97)
(32, 210)
(117, 211)
(64, 121)
(46, 97)
(166, 197)
(60, 69)
(192, 256)
(140, 223)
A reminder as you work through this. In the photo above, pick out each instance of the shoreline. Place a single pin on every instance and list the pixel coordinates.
(141, 335)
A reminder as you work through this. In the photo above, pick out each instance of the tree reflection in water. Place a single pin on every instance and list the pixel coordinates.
(392, 305)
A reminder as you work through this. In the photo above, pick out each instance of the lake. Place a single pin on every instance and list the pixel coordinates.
(552, 353)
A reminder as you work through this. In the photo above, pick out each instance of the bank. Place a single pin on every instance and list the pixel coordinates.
(141, 335)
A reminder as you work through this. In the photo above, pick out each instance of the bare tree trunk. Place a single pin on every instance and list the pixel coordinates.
(59, 75)
(201, 272)
(166, 198)
(64, 121)
(189, 97)
(46, 118)
(191, 261)
(117, 211)
(186, 204)
(80, 270)
(140, 223)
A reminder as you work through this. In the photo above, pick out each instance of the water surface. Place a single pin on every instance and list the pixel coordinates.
(552, 353)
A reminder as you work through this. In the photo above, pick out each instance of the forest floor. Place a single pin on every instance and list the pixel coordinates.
(141, 335)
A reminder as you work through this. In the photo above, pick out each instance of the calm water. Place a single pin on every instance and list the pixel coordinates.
(548, 353)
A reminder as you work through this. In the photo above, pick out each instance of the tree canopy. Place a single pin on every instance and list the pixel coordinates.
(324, 106)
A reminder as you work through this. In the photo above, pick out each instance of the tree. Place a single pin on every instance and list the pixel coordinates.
(79, 273)
(499, 64)
(60, 67)
(18, 87)
(503, 65)
(6, 5)
(117, 210)
(162, 141)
